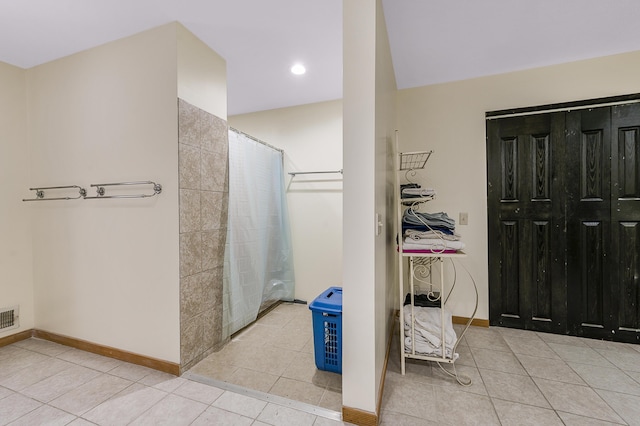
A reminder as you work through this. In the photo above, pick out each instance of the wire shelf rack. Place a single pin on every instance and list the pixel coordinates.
(414, 160)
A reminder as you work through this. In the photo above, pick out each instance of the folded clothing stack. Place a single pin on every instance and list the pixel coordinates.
(414, 190)
(424, 300)
(429, 233)
(428, 332)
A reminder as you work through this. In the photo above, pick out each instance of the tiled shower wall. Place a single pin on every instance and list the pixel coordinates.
(204, 195)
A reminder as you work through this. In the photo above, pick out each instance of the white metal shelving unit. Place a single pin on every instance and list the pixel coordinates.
(408, 162)
(442, 297)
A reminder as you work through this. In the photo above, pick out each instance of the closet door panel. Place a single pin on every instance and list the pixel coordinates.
(505, 163)
(526, 262)
(625, 218)
(588, 189)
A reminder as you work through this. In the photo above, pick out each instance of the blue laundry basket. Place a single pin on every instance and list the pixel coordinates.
(327, 329)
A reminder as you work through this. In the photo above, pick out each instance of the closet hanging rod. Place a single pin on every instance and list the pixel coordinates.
(157, 189)
(40, 193)
(314, 173)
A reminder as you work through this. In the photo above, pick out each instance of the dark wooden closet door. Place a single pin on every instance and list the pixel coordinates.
(564, 222)
(625, 220)
(526, 222)
(588, 206)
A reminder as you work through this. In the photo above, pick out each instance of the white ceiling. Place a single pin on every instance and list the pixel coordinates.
(432, 41)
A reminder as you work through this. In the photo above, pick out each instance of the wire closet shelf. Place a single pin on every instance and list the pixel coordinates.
(414, 160)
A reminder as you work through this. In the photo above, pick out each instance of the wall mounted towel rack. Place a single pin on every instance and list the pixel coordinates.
(40, 195)
(314, 173)
(157, 189)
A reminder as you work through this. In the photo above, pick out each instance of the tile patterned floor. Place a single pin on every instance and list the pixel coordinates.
(275, 355)
(43, 383)
(519, 378)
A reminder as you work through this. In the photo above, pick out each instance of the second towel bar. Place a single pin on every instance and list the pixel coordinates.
(157, 189)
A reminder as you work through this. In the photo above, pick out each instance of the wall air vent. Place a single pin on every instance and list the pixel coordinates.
(9, 318)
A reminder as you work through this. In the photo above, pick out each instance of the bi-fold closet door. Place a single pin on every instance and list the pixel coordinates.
(564, 221)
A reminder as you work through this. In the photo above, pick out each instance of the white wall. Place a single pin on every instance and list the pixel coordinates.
(16, 279)
(386, 255)
(369, 88)
(449, 118)
(202, 74)
(311, 137)
(358, 299)
(106, 271)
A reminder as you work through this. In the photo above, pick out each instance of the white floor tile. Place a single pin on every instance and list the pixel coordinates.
(515, 414)
(278, 415)
(240, 404)
(89, 395)
(90, 360)
(125, 409)
(34, 373)
(612, 379)
(172, 410)
(580, 354)
(15, 406)
(457, 407)
(4, 392)
(627, 406)
(61, 383)
(514, 388)
(131, 372)
(45, 415)
(199, 392)
(575, 420)
(43, 346)
(217, 416)
(575, 399)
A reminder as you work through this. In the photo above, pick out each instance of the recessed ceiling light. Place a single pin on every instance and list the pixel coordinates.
(298, 69)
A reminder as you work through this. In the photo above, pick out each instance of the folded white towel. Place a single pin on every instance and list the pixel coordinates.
(419, 192)
(431, 244)
(417, 235)
(427, 330)
(424, 348)
(427, 323)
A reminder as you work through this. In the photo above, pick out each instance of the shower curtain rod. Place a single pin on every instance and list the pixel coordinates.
(314, 173)
(281, 151)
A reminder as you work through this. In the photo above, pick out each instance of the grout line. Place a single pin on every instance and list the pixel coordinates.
(263, 396)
